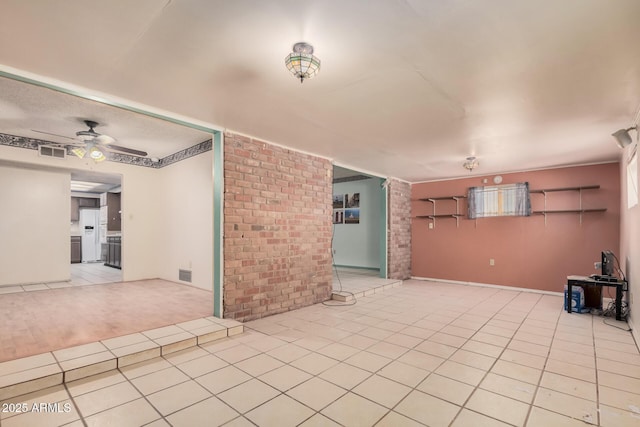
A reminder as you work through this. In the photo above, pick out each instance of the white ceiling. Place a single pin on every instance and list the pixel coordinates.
(28, 110)
(408, 88)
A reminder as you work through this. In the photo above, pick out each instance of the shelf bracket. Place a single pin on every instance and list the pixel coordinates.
(580, 201)
(434, 213)
(457, 199)
(544, 193)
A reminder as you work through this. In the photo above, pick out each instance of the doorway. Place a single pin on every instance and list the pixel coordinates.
(359, 231)
(96, 231)
(171, 143)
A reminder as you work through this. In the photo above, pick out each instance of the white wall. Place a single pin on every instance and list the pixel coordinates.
(167, 217)
(34, 225)
(141, 211)
(358, 245)
(630, 245)
(141, 205)
(187, 220)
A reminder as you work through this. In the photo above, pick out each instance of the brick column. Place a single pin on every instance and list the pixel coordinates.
(399, 243)
(277, 229)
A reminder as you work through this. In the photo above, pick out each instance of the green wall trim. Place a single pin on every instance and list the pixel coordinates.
(218, 185)
(383, 229)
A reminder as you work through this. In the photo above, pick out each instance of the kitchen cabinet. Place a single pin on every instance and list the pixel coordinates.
(75, 209)
(82, 202)
(104, 250)
(114, 252)
(113, 212)
(88, 202)
(76, 249)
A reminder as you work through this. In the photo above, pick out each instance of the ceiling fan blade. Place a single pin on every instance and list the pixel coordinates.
(131, 151)
(53, 134)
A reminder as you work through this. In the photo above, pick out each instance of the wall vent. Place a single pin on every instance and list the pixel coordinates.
(51, 151)
(184, 275)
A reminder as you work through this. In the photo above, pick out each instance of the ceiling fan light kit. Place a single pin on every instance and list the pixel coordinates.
(301, 62)
(88, 135)
(96, 154)
(79, 152)
(94, 143)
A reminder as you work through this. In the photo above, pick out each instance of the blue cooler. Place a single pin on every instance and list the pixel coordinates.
(577, 299)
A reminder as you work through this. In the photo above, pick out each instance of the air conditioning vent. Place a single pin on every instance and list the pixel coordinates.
(184, 275)
(51, 151)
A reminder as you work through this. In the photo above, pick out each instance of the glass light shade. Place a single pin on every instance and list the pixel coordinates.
(471, 163)
(97, 155)
(301, 62)
(79, 151)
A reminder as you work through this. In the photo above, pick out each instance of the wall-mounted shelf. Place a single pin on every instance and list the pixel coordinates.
(580, 209)
(457, 215)
(551, 190)
(433, 216)
(569, 211)
(440, 216)
(429, 199)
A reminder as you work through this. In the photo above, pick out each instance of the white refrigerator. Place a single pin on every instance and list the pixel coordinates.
(90, 229)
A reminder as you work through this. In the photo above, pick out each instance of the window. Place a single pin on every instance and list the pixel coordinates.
(499, 200)
(632, 180)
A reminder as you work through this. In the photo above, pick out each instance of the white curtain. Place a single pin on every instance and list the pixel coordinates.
(499, 200)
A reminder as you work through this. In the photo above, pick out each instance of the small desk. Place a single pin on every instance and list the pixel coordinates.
(620, 286)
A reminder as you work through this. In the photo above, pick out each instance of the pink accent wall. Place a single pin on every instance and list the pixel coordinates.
(528, 253)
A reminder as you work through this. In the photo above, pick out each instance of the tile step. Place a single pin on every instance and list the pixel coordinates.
(33, 373)
(346, 296)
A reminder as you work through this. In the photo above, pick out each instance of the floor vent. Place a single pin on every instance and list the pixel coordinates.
(184, 275)
(50, 151)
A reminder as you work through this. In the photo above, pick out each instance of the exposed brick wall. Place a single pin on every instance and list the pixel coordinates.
(399, 245)
(277, 229)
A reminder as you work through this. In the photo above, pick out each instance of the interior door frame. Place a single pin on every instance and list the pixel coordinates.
(217, 172)
(384, 226)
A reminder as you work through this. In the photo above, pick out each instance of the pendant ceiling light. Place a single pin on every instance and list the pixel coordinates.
(301, 62)
(471, 163)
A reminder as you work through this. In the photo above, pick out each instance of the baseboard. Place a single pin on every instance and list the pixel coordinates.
(356, 267)
(7, 285)
(488, 285)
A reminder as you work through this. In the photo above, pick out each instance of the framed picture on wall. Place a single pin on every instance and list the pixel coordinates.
(352, 216)
(338, 201)
(352, 200)
(338, 216)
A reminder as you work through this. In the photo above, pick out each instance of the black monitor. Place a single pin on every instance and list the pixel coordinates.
(607, 263)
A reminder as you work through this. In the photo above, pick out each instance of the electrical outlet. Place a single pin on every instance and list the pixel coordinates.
(492, 261)
(431, 226)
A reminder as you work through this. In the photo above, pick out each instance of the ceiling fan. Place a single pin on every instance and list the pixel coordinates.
(95, 144)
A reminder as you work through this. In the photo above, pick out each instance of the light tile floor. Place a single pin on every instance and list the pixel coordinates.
(94, 273)
(425, 353)
(82, 274)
